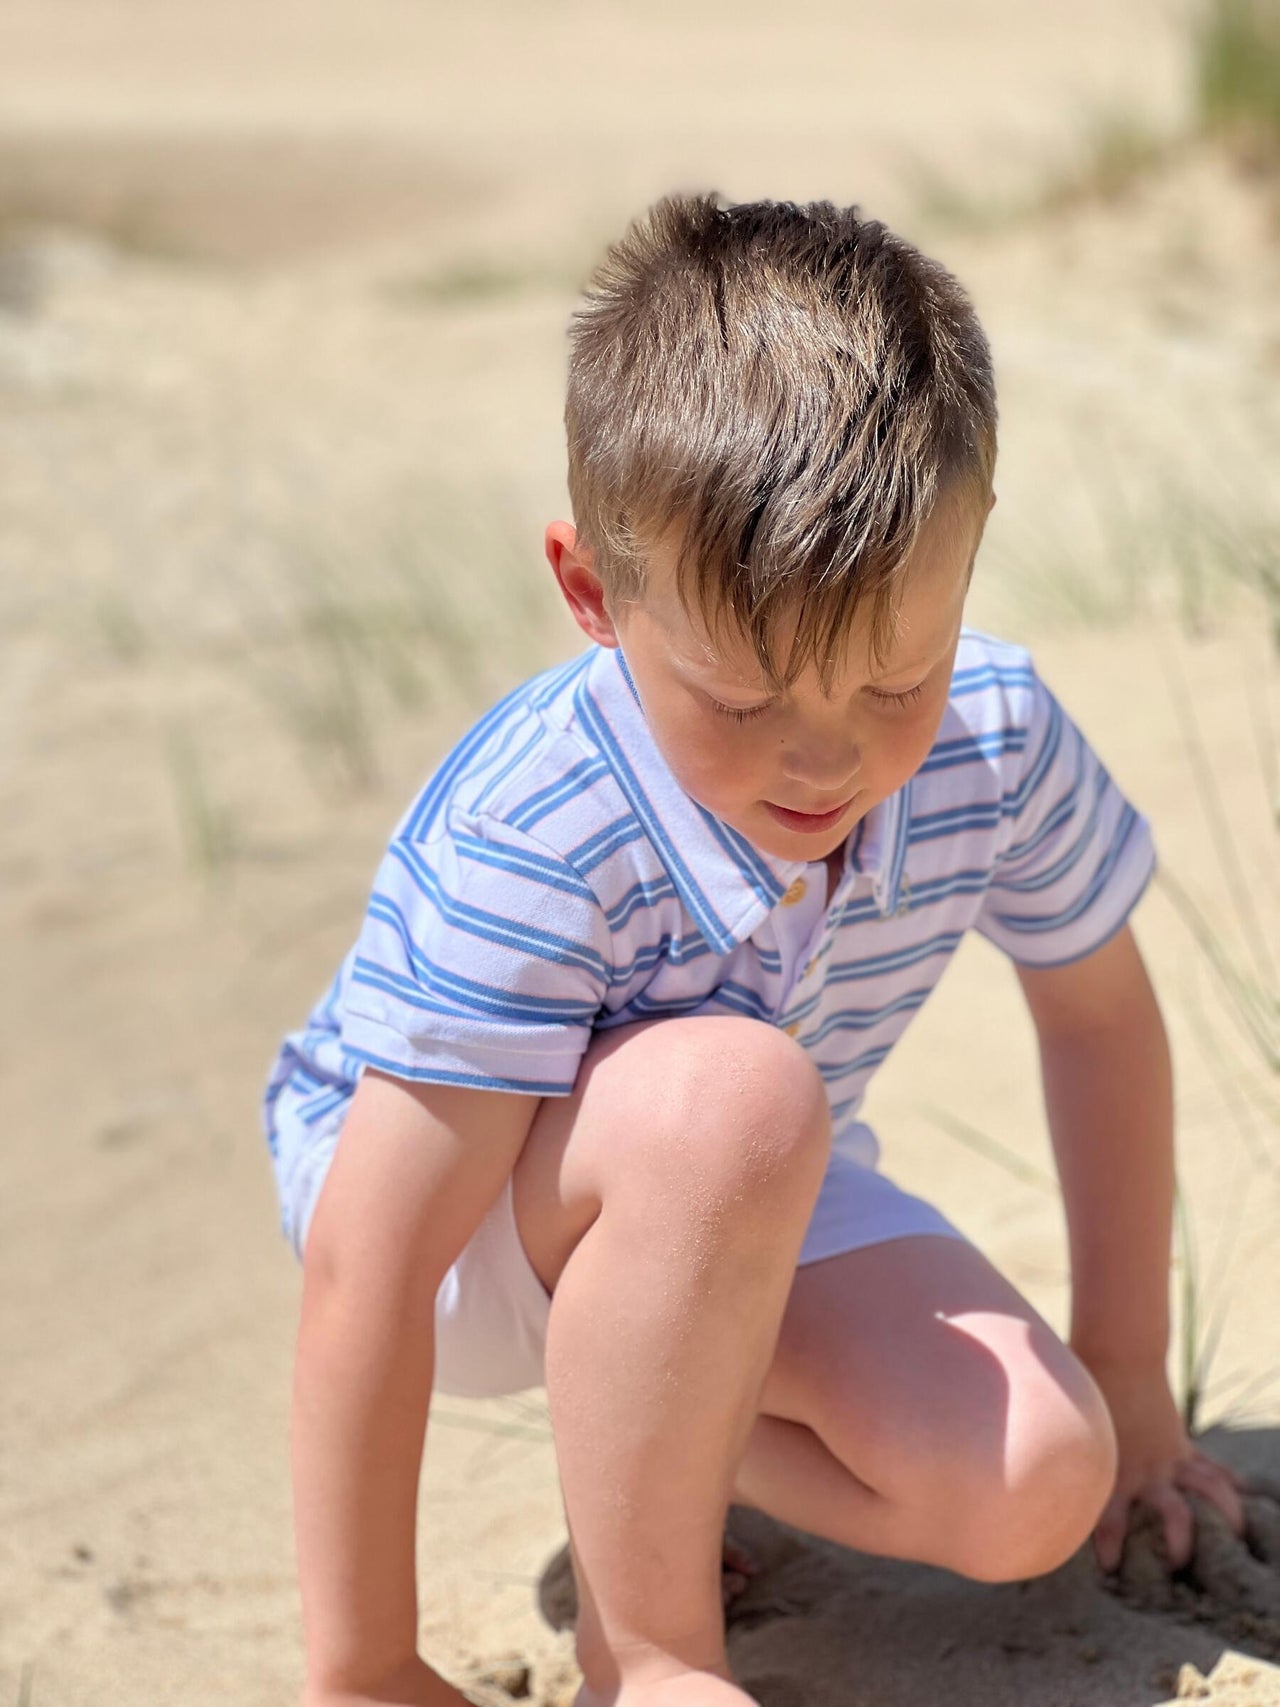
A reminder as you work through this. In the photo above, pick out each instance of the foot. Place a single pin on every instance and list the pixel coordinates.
(682, 1689)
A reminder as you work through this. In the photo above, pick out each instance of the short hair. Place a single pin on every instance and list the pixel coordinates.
(794, 387)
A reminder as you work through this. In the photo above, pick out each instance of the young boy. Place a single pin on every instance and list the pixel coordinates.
(583, 1099)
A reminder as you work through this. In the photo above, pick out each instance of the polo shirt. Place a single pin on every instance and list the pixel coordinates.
(552, 879)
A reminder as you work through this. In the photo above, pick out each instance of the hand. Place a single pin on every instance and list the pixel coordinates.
(1158, 1465)
(415, 1685)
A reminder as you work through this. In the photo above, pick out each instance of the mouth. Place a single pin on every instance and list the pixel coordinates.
(809, 823)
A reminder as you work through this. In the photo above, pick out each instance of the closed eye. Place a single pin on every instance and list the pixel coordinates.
(739, 713)
(904, 698)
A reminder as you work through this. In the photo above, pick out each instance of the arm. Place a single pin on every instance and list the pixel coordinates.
(415, 1171)
(1109, 1098)
(1108, 1088)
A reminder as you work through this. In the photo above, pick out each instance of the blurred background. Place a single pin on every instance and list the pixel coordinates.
(283, 296)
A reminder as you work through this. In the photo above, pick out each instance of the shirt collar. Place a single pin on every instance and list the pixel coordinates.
(880, 848)
(727, 885)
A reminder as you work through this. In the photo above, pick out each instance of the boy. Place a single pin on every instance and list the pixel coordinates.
(597, 1057)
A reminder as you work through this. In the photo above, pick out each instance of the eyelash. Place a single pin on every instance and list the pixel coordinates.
(898, 698)
(741, 714)
(738, 713)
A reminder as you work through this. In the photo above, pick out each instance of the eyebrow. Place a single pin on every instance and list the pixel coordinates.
(710, 678)
(927, 661)
(762, 693)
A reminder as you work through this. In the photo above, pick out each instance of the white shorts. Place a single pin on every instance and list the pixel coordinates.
(492, 1310)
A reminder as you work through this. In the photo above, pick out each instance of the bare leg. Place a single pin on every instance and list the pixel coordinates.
(917, 1407)
(664, 1204)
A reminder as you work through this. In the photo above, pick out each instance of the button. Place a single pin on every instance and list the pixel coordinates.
(797, 892)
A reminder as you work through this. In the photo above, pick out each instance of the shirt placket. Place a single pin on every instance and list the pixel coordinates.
(802, 924)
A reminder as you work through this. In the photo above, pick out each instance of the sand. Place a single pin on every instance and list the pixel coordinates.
(822, 1626)
(282, 301)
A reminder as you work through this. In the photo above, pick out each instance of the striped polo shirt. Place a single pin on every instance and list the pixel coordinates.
(552, 879)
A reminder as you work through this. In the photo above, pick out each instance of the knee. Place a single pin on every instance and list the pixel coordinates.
(735, 1106)
(1047, 1497)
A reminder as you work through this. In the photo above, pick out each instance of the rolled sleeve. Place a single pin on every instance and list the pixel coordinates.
(482, 961)
(1076, 856)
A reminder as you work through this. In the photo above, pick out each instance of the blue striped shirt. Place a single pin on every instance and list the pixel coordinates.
(552, 879)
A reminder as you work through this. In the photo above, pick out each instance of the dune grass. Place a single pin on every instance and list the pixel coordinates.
(1203, 1302)
(332, 650)
(1114, 152)
(207, 825)
(1233, 104)
(1144, 542)
(1236, 63)
(440, 606)
(469, 281)
(1174, 555)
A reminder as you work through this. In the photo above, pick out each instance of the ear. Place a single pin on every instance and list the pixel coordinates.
(574, 570)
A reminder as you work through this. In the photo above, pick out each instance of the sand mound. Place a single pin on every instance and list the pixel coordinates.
(1232, 1588)
(821, 1626)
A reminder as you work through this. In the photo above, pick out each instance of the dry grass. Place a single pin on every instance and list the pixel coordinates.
(1116, 153)
(437, 606)
(226, 198)
(1234, 106)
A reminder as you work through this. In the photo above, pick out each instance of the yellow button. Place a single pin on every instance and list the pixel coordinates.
(797, 892)
(792, 1030)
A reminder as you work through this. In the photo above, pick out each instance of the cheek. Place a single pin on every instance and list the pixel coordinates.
(721, 766)
(715, 763)
(902, 749)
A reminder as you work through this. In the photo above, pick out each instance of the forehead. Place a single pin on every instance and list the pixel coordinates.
(925, 609)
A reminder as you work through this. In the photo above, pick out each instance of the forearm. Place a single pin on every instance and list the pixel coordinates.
(362, 1384)
(1109, 1097)
(414, 1173)
(1109, 1093)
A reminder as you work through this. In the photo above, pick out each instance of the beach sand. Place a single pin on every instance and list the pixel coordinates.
(282, 303)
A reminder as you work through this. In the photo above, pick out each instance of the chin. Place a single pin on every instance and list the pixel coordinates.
(793, 846)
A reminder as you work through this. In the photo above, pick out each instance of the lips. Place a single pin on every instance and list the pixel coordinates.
(811, 823)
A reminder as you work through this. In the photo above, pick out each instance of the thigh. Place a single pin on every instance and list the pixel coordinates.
(916, 1356)
(556, 1185)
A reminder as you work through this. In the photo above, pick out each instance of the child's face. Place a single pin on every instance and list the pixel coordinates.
(792, 771)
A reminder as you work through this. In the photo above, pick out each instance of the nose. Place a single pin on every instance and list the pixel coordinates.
(825, 762)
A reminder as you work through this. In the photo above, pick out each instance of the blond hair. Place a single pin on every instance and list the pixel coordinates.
(793, 388)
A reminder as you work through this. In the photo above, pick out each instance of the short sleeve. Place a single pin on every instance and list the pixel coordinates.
(1076, 856)
(483, 961)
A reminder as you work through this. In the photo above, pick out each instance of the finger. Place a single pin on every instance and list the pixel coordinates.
(1200, 1475)
(737, 1558)
(732, 1584)
(1112, 1526)
(1175, 1519)
(1241, 1483)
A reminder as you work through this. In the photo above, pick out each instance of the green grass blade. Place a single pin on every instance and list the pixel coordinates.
(990, 1149)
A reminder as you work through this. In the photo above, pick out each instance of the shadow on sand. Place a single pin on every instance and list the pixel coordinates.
(826, 1627)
